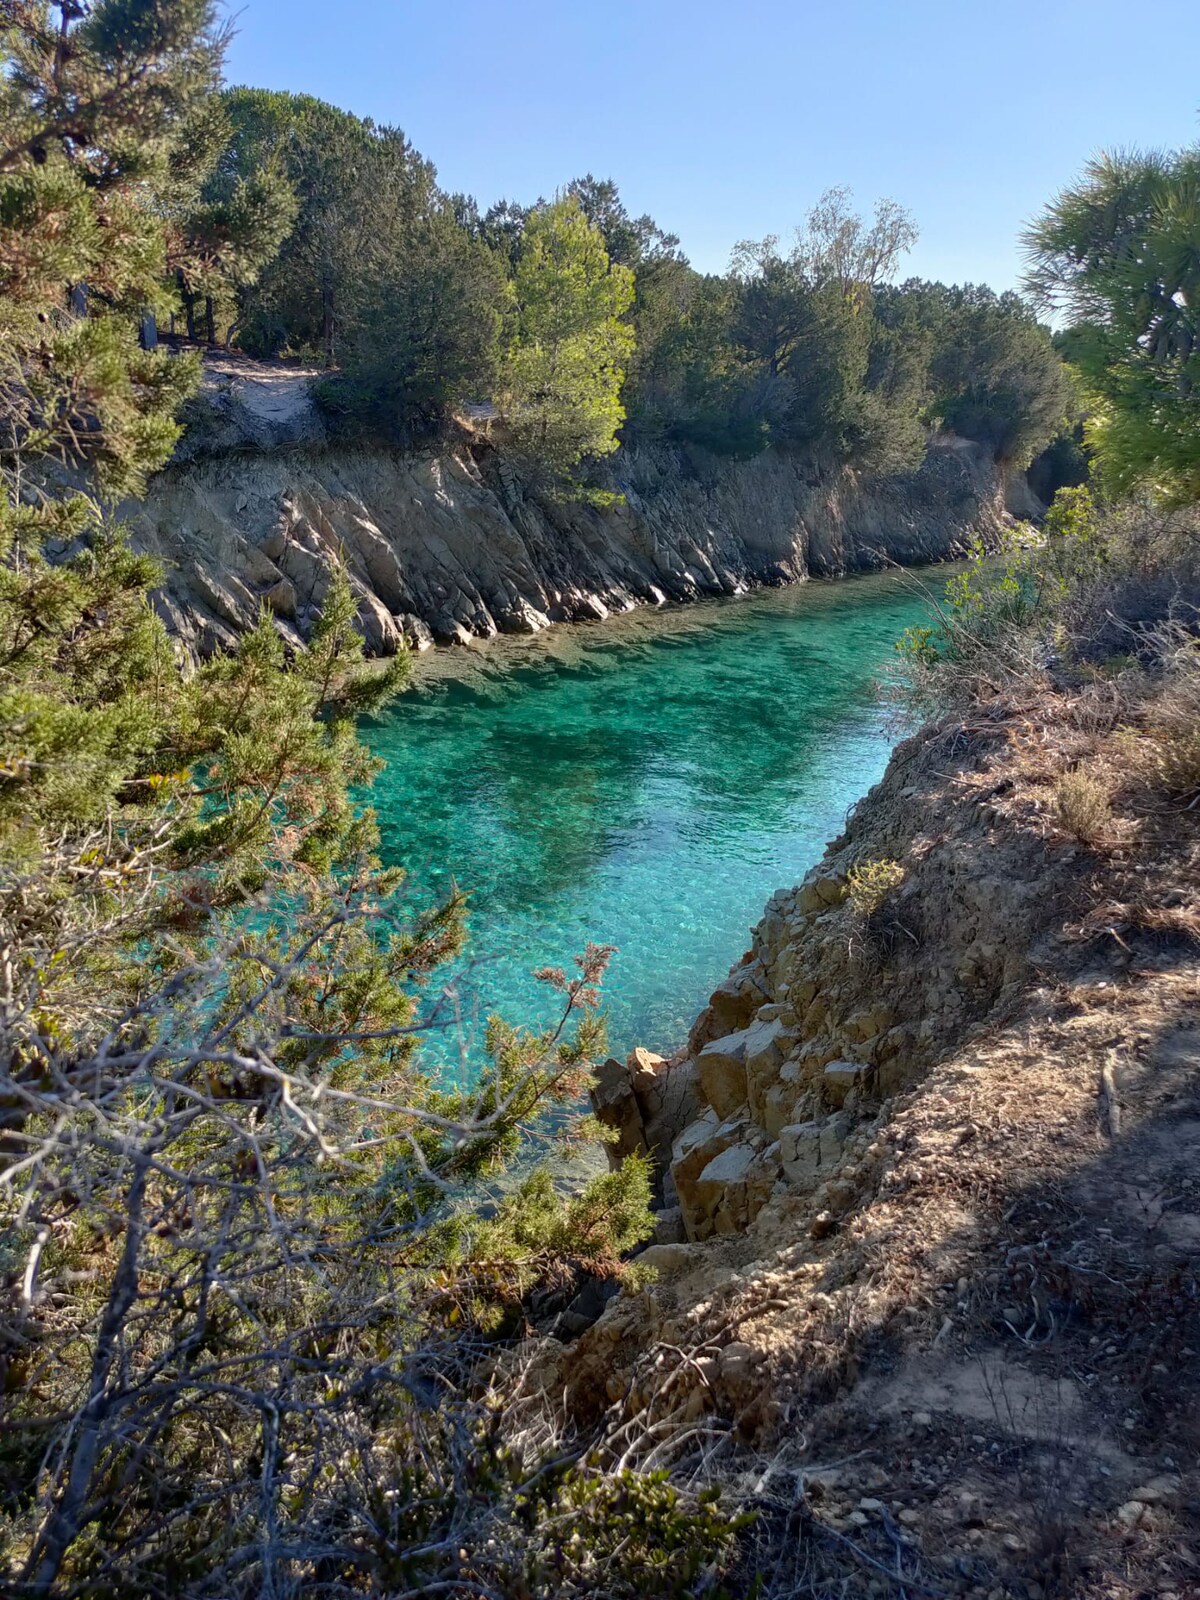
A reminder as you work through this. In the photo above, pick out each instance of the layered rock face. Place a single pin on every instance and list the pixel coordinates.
(450, 546)
(843, 1001)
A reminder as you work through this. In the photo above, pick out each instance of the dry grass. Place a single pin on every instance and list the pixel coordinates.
(1082, 807)
(1173, 720)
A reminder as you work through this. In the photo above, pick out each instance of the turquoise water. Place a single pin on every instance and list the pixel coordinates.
(645, 782)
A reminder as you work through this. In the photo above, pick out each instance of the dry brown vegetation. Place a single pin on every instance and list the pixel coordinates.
(1081, 806)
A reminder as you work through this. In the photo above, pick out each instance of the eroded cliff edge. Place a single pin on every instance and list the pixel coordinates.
(926, 1286)
(453, 544)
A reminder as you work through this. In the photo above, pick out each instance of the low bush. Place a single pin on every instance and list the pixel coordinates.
(871, 882)
(1082, 807)
(1087, 596)
(1170, 754)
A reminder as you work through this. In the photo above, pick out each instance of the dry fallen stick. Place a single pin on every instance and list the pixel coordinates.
(1112, 1106)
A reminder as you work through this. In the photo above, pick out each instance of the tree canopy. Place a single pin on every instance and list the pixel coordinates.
(1117, 257)
(417, 302)
(560, 383)
(229, 1191)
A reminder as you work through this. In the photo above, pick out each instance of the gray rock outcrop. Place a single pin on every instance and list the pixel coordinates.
(451, 546)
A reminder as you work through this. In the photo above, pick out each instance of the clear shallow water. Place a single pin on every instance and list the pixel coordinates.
(645, 782)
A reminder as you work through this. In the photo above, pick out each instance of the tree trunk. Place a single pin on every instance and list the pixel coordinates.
(327, 323)
(67, 1516)
(210, 326)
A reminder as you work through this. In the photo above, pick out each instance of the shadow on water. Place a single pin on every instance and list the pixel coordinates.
(646, 783)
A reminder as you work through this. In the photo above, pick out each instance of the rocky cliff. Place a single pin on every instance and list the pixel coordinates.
(452, 544)
(926, 1270)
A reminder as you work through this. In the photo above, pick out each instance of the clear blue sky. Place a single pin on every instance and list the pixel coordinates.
(726, 118)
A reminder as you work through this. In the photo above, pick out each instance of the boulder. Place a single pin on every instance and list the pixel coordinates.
(644, 1069)
(870, 1024)
(809, 1151)
(380, 634)
(721, 1068)
(448, 630)
(281, 597)
(731, 1190)
(779, 1103)
(668, 1226)
(615, 1105)
(766, 1040)
(668, 1100)
(648, 1101)
(227, 596)
(738, 1361)
(800, 1154)
(693, 1150)
(819, 891)
(669, 1257)
(731, 1004)
(417, 634)
(838, 1078)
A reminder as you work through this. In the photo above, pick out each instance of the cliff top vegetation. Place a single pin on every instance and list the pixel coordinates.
(419, 303)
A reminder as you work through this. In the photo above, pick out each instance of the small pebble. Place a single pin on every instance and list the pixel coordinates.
(1131, 1513)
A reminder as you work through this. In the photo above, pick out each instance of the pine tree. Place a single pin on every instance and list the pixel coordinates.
(223, 227)
(1117, 255)
(90, 106)
(564, 365)
(239, 1212)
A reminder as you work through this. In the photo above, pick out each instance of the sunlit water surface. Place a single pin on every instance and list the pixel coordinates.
(646, 782)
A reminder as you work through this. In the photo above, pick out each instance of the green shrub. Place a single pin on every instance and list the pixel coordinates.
(871, 882)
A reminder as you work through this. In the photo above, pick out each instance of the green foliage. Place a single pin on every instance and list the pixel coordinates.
(1065, 463)
(223, 227)
(583, 322)
(815, 349)
(89, 118)
(425, 334)
(994, 617)
(560, 382)
(1078, 543)
(607, 1218)
(990, 371)
(871, 882)
(378, 277)
(241, 1213)
(630, 1534)
(1118, 255)
(695, 383)
(805, 319)
(991, 601)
